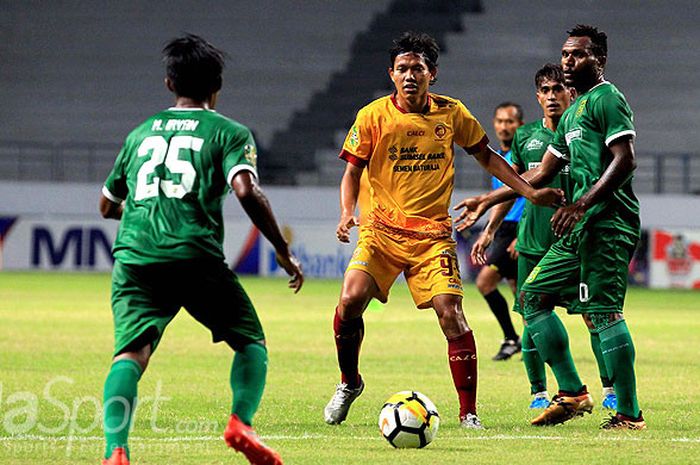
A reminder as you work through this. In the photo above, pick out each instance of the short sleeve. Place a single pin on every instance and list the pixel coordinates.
(558, 147)
(357, 148)
(515, 156)
(468, 132)
(239, 153)
(615, 117)
(115, 187)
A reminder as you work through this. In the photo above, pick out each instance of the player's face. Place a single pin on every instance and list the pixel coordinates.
(411, 75)
(505, 122)
(553, 97)
(581, 66)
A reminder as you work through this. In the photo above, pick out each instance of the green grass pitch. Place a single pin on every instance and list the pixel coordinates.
(56, 341)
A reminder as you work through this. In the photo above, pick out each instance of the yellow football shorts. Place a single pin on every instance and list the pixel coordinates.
(429, 265)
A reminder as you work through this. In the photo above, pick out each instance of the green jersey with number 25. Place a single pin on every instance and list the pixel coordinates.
(172, 175)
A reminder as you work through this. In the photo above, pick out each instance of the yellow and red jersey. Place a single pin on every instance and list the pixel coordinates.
(410, 161)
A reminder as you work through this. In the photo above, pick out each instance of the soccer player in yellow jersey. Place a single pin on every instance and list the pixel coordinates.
(404, 142)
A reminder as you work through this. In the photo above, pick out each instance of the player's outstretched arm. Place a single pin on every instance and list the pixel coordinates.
(475, 207)
(499, 167)
(349, 190)
(256, 205)
(620, 169)
(110, 209)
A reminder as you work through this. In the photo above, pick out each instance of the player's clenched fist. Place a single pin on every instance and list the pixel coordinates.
(548, 197)
(346, 223)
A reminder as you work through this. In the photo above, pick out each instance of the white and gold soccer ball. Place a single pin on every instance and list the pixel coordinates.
(409, 419)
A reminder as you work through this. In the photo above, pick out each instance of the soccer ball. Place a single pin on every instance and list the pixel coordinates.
(409, 419)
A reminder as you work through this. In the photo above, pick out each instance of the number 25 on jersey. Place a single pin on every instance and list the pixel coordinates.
(161, 152)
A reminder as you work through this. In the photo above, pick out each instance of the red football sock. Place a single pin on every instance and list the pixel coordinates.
(461, 351)
(348, 339)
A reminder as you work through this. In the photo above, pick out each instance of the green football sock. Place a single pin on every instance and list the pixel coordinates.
(552, 342)
(248, 373)
(534, 365)
(600, 360)
(618, 350)
(119, 403)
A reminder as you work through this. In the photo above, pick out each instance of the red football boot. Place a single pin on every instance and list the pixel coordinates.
(118, 457)
(243, 438)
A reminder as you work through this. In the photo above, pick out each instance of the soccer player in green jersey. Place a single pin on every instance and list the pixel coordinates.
(167, 188)
(598, 233)
(535, 234)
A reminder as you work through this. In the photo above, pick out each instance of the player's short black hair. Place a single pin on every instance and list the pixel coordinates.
(518, 109)
(549, 71)
(599, 39)
(419, 43)
(194, 66)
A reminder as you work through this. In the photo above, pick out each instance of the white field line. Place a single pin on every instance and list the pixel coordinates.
(304, 437)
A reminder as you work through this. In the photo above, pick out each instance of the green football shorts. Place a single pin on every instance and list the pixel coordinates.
(595, 260)
(145, 298)
(526, 263)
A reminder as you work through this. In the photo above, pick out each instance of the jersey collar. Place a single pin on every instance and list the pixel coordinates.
(597, 85)
(188, 109)
(425, 111)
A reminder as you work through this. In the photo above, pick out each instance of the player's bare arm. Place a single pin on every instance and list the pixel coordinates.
(478, 252)
(349, 190)
(256, 205)
(109, 209)
(474, 208)
(620, 169)
(497, 166)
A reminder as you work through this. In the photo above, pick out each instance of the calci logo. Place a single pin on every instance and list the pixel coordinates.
(440, 131)
(415, 133)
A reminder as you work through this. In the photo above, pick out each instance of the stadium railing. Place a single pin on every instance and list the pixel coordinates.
(673, 173)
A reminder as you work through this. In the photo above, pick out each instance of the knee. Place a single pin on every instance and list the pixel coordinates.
(138, 357)
(487, 280)
(533, 304)
(601, 321)
(351, 304)
(141, 356)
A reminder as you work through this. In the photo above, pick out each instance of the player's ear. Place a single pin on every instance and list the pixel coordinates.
(433, 75)
(169, 85)
(602, 60)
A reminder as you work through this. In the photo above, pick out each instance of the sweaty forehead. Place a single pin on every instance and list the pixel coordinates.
(550, 83)
(574, 43)
(410, 58)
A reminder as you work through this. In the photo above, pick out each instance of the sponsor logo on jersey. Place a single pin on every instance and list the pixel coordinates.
(354, 137)
(534, 144)
(574, 134)
(392, 153)
(440, 131)
(533, 164)
(415, 133)
(251, 154)
(581, 107)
